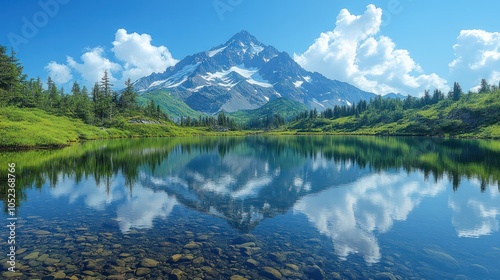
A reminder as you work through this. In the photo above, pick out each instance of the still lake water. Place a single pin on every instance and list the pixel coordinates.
(324, 207)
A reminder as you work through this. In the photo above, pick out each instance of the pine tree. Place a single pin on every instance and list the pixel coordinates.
(128, 102)
(86, 110)
(54, 99)
(485, 87)
(457, 91)
(80, 102)
(10, 78)
(427, 97)
(107, 96)
(98, 103)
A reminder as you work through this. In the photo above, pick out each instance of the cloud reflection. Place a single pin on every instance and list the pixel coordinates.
(350, 215)
(137, 209)
(475, 214)
(144, 206)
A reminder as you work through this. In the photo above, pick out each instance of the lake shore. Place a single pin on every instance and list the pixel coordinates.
(23, 129)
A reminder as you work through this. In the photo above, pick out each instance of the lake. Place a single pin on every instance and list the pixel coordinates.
(259, 207)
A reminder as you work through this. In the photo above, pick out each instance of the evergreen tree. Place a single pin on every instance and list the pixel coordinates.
(28, 97)
(81, 103)
(437, 96)
(107, 96)
(86, 108)
(485, 87)
(128, 100)
(457, 91)
(427, 97)
(98, 103)
(54, 99)
(10, 78)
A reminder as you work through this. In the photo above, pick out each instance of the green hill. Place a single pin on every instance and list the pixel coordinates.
(283, 107)
(472, 115)
(31, 127)
(173, 106)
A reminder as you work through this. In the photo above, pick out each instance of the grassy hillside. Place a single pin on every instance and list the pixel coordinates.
(286, 108)
(28, 128)
(173, 106)
(473, 115)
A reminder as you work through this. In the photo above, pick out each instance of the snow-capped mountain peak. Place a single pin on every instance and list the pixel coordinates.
(244, 73)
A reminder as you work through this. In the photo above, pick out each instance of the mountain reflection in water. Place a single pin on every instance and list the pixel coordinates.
(353, 190)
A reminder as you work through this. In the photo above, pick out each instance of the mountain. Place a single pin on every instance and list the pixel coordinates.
(244, 74)
(286, 108)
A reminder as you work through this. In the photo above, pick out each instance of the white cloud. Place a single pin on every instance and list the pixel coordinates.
(477, 56)
(132, 56)
(140, 57)
(355, 52)
(93, 66)
(59, 73)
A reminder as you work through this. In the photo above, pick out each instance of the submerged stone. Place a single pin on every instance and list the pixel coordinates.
(20, 251)
(176, 257)
(142, 271)
(335, 275)
(252, 263)
(60, 275)
(277, 257)
(289, 273)
(147, 262)
(176, 274)
(315, 272)
(199, 260)
(244, 239)
(441, 259)
(271, 273)
(9, 274)
(237, 277)
(30, 256)
(191, 245)
(51, 261)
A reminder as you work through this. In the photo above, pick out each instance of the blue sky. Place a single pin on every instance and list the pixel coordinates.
(380, 46)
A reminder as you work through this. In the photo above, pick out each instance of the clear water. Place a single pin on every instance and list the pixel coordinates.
(211, 208)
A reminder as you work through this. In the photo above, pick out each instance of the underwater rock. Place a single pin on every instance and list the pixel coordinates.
(244, 239)
(30, 256)
(315, 272)
(150, 263)
(176, 274)
(176, 257)
(252, 263)
(191, 245)
(237, 277)
(271, 273)
(441, 259)
(142, 271)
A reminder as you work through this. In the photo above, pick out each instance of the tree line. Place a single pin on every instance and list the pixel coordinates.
(100, 106)
(218, 122)
(370, 112)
